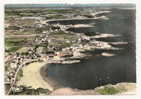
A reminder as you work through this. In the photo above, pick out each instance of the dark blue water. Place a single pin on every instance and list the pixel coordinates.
(99, 70)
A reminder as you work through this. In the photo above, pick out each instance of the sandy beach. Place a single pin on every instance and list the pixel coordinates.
(31, 76)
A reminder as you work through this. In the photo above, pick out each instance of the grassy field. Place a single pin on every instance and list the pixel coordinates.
(13, 44)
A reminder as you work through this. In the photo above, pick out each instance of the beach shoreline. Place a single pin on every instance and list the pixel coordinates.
(37, 78)
(31, 76)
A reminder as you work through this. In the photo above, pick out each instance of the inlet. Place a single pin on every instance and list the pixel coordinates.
(93, 72)
(99, 70)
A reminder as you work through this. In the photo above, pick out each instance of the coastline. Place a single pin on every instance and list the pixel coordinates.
(37, 78)
(49, 80)
(31, 76)
(125, 88)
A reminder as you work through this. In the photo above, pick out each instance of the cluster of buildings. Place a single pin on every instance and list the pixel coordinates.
(18, 60)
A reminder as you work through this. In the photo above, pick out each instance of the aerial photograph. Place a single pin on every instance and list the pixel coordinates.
(65, 49)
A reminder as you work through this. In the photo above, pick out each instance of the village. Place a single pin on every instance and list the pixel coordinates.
(51, 43)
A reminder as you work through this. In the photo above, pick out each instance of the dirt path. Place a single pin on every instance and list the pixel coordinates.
(31, 77)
